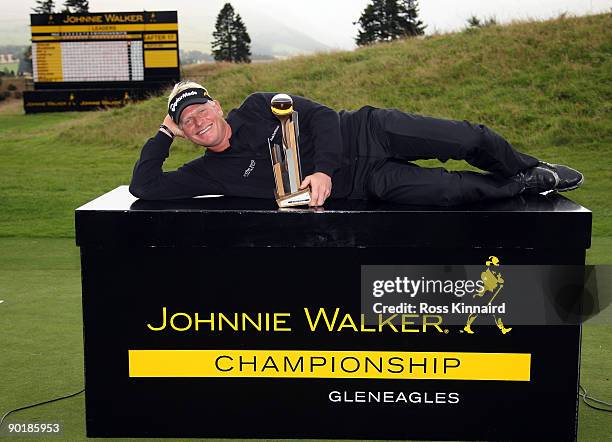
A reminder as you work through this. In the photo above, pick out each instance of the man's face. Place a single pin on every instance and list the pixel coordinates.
(203, 124)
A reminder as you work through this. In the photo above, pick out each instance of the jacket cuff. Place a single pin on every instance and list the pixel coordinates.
(327, 169)
(162, 139)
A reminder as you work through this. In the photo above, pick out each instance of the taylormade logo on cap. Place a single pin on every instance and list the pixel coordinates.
(180, 98)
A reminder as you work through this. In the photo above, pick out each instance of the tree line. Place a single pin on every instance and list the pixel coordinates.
(70, 7)
(387, 20)
(380, 21)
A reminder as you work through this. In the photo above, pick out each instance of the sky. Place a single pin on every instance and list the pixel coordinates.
(328, 21)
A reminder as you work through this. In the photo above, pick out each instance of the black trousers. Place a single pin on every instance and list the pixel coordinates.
(384, 169)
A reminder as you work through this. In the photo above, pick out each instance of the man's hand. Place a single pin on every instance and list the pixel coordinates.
(173, 127)
(320, 187)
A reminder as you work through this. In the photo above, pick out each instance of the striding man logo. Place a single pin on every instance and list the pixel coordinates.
(493, 283)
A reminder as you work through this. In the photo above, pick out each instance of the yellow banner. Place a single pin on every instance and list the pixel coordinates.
(160, 59)
(160, 37)
(105, 28)
(87, 37)
(160, 46)
(330, 364)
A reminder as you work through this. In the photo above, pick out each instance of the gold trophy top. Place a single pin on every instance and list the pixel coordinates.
(282, 105)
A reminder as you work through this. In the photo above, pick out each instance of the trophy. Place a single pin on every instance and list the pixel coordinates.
(286, 158)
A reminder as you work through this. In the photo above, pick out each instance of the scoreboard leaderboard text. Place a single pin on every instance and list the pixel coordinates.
(131, 52)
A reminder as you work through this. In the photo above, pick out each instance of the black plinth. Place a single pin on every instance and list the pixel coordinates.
(226, 255)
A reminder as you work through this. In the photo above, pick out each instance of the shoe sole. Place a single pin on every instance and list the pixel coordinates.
(567, 189)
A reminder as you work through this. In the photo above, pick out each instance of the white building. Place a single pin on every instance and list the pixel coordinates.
(7, 58)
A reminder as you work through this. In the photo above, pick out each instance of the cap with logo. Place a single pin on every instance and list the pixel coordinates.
(186, 98)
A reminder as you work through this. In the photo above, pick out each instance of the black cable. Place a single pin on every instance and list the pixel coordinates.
(37, 404)
(582, 392)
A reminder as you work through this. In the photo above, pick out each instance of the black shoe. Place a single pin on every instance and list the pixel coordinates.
(569, 179)
(538, 179)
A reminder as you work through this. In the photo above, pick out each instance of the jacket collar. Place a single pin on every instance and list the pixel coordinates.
(259, 131)
(235, 121)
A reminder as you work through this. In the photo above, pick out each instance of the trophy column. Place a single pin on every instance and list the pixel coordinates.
(286, 158)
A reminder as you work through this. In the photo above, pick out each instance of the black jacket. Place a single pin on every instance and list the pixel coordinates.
(327, 144)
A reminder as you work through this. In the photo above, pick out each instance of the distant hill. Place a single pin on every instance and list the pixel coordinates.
(277, 39)
(16, 50)
(191, 57)
(269, 35)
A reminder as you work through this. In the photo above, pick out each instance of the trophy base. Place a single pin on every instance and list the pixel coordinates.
(299, 198)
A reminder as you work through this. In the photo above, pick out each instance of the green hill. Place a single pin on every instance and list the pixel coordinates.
(544, 85)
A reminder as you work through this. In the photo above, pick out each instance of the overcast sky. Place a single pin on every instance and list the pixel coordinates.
(329, 21)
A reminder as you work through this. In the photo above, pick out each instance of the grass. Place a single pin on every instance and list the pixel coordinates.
(9, 68)
(543, 85)
(42, 355)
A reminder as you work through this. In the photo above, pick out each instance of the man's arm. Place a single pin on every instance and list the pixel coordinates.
(323, 125)
(151, 183)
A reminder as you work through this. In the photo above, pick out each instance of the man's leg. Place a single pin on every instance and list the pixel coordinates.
(413, 137)
(406, 183)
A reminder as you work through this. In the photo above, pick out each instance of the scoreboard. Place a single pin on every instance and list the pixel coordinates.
(126, 54)
(88, 61)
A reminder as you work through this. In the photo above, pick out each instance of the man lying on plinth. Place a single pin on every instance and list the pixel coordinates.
(363, 154)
